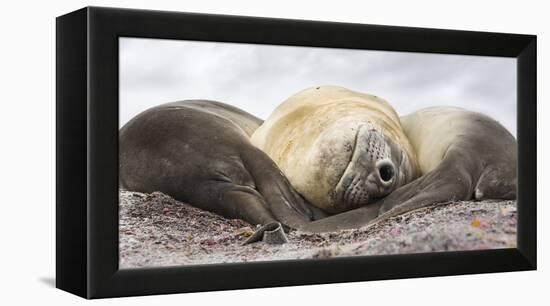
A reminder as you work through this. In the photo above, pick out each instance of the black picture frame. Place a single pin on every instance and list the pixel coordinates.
(87, 151)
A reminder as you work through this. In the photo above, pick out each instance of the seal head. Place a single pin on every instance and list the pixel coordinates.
(339, 149)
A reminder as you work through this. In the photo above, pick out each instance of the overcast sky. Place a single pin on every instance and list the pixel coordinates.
(257, 78)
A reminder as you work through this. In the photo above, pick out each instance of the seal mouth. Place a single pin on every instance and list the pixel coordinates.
(376, 185)
(355, 195)
(344, 183)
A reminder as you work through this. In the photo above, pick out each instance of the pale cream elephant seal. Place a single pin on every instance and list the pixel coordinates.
(340, 149)
(462, 155)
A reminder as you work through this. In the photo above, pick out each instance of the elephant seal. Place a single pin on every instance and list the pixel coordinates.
(340, 149)
(462, 155)
(199, 152)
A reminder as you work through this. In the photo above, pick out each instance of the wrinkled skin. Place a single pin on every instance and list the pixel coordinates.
(375, 169)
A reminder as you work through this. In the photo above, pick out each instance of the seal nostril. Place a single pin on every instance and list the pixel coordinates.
(386, 172)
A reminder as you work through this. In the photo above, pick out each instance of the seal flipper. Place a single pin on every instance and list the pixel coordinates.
(234, 201)
(493, 184)
(449, 181)
(284, 202)
(443, 194)
(356, 218)
(271, 233)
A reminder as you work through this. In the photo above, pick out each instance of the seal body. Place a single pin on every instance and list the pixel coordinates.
(462, 155)
(199, 152)
(340, 149)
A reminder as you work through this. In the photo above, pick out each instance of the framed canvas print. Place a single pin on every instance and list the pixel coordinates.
(206, 152)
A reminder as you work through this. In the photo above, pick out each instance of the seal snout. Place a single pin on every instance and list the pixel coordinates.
(370, 174)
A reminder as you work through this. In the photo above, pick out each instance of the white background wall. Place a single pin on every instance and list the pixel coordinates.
(27, 126)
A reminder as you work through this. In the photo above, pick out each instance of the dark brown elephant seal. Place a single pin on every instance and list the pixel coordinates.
(199, 152)
(462, 155)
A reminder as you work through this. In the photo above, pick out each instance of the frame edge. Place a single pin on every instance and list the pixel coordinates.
(105, 280)
(71, 182)
(527, 144)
